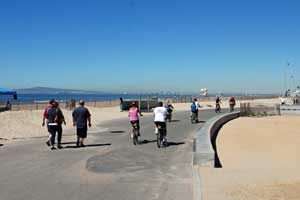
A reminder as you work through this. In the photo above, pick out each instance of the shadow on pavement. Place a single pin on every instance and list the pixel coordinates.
(117, 131)
(199, 122)
(65, 143)
(87, 145)
(175, 143)
(147, 141)
(175, 120)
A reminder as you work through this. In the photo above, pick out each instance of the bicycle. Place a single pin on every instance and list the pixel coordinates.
(231, 107)
(161, 136)
(135, 133)
(218, 108)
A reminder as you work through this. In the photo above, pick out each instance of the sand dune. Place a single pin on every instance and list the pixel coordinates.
(259, 158)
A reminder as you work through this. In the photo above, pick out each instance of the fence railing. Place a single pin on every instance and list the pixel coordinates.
(110, 103)
(63, 104)
(259, 109)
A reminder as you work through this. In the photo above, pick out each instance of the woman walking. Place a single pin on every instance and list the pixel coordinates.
(55, 118)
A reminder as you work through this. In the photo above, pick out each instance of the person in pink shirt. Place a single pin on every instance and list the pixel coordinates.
(133, 115)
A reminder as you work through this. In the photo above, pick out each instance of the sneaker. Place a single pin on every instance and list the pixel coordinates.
(53, 148)
(82, 145)
(59, 146)
(165, 143)
(48, 143)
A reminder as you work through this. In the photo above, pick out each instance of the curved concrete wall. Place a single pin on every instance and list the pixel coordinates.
(205, 151)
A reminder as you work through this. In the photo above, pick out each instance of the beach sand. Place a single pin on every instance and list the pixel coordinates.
(26, 123)
(259, 158)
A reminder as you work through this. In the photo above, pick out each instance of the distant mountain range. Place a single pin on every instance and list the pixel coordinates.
(47, 90)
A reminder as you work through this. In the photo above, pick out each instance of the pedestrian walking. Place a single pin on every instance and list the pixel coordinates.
(81, 119)
(45, 114)
(121, 104)
(55, 119)
(8, 105)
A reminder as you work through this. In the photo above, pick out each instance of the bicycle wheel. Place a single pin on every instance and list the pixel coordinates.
(158, 139)
(135, 138)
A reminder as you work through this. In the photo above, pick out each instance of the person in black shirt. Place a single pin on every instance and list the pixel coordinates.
(81, 119)
(218, 104)
(121, 104)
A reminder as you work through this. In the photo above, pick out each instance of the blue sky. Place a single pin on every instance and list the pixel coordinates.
(149, 45)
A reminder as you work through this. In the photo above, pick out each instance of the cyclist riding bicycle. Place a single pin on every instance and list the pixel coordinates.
(160, 115)
(218, 106)
(232, 103)
(133, 115)
(169, 108)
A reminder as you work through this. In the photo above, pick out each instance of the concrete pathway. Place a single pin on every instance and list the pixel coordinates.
(109, 168)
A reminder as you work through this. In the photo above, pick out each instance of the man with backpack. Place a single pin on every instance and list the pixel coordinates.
(55, 119)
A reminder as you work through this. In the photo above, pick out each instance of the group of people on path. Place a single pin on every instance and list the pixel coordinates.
(195, 107)
(160, 115)
(53, 117)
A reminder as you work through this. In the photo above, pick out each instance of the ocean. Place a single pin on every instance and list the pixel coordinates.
(32, 98)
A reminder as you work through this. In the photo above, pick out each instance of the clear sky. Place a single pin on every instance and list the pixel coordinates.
(149, 45)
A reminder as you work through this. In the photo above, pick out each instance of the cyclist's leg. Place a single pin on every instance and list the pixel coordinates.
(164, 127)
(156, 127)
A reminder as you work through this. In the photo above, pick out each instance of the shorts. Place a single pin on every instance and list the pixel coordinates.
(163, 125)
(82, 132)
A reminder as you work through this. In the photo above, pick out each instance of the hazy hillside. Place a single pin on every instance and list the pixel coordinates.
(46, 90)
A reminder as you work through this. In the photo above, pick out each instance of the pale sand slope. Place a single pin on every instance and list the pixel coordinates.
(260, 158)
(24, 124)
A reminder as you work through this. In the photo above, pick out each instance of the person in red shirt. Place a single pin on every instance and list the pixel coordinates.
(45, 117)
(231, 103)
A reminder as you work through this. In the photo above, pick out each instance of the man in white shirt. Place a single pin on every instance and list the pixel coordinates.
(160, 115)
(197, 103)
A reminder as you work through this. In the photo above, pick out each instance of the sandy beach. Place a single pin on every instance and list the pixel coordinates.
(26, 123)
(259, 158)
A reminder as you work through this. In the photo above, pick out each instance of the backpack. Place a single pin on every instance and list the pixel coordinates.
(194, 107)
(58, 117)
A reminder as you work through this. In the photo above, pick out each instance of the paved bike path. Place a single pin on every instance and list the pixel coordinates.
(109, 168)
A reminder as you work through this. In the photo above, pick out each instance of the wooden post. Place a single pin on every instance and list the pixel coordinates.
(242, 108)
(148, 103)
(140, 102)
